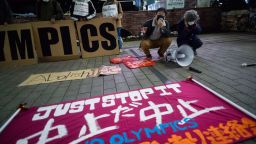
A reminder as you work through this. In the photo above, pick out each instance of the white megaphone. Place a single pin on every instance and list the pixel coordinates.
(182, 55)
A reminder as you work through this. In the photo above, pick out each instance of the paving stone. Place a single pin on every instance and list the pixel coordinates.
(109, 91)
(145, 83)
(247, 83)
(109, 77)
(132, 81)
(109, 84)
(85, 88)
(135, 87)
(246, 90)
(97, 81)
(245, 98)
(97, 91)
(121, 87)
(225, 87)
(128, 74)
(153, 78)
(84, 95)
(119, 79)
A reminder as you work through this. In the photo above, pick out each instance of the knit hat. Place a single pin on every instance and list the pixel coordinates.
(191, 15)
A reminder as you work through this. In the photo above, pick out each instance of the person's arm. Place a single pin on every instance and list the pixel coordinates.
(183, 31)
(145, 28)
(120, 11)
(38, 9)
(59, 12)
(8, 13)
(165, 30)
(92, 11)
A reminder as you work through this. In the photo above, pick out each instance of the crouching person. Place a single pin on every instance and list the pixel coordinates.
(188, 28)
(156, 34)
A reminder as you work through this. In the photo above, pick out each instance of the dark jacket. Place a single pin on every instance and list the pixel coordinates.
(5, 12)
(91, 14)
(188, 35)
(48, 10)
(165, 31)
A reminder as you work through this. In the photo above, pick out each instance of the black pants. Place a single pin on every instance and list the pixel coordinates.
(194, 42)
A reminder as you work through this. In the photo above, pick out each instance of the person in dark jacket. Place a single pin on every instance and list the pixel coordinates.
(49, 10)
(156, 34)
(82, 10)
(188, 28)
(5, 13)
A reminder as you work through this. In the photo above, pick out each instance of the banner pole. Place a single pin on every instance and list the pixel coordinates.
(225, 99)
(21, 106)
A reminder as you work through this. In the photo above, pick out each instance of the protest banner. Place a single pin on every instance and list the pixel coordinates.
(180, 112)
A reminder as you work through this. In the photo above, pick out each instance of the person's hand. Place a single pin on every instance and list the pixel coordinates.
(160, 23)
(52, 20)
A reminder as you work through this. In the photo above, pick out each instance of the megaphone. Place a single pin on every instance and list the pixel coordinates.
(182, 55)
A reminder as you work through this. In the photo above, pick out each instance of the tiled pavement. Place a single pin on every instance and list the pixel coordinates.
(219, 60)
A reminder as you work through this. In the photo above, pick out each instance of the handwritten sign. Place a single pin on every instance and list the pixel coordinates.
(81, 8)
(182, 112)
(109, 10)
(60, 76)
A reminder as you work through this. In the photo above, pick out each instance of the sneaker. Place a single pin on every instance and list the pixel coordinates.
(120, 50)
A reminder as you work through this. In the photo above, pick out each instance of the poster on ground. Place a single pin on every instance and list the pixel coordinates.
(180, 112)
(60, 76)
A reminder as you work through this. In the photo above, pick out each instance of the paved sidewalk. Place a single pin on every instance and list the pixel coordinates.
(219, 59)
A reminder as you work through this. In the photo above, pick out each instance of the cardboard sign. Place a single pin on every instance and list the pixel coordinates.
(176, 113)
(17, 45)
(56, 41)
(60, 76)
(109, 10)
(98, 37)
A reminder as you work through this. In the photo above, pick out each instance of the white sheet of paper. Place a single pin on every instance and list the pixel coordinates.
(109, 10)
(81, 8)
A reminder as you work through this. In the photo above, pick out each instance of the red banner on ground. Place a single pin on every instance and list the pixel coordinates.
(132, 62)
(118, 60)
(182, 112)
(139, 63)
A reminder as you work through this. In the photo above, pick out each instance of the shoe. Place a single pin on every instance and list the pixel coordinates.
(160, 55)
(149, 56)
(120, 50)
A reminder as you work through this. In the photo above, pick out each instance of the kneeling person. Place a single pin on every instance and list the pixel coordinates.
(156, 34)
(188, 28)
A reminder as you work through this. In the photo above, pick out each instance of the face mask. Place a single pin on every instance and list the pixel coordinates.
(46, 0)
(191, 23)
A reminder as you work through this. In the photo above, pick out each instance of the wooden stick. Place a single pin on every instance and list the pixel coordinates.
(21, 107)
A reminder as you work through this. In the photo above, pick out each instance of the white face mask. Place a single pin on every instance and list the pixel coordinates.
(191, 23)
